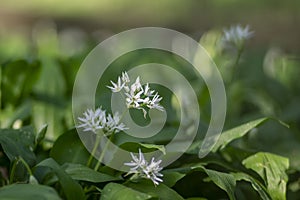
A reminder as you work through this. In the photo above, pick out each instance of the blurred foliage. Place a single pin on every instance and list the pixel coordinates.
(257, 157)
(108, 8)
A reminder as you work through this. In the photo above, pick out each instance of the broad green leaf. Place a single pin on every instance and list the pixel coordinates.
(71, 188)
(133, 147)
(236, 154)
(17, 143)
(114, 191)
(83, 173)
(171, 178)
(223, 180)
(162, 191)
(272, 168)
(262, 191)
(196, 198)
(237, 132)
(155, 146)
(28, 192)
(212, 159)
(167, 134)
(68, 148)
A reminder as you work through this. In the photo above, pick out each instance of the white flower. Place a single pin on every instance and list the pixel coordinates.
(141, 168)
(113, 124)
(92, 120)
(96, 120)
(117, 87)
(133, 100)
(147, 90)
(138, 162)
(125, 77)
(152, 172)
(136, 86)
(133, 95)
(137, 96)
(237, 35)
(154, 103)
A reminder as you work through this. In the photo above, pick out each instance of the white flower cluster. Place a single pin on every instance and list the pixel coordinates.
(98, 119)
(237, 35)
(137, 96)
(141, 168)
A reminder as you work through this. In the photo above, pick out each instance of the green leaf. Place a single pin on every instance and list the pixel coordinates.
(272, 168)
(68, 148)
(166, 135)
(133, 147)
(262, 191)
(114, 191)
(41, 134)
(171, 177)
(83, 173)
(71, 188)
(28, 192)
(237, 132)
(155, 146)
(223, 180)
(17, 143)
(162, 191)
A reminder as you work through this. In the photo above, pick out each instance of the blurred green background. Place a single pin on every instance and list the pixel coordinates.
(275, 22)
(48, 40)
(42, 44)
(54, 37)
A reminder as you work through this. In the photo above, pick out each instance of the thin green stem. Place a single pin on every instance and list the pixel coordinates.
(236, 62)
(130, 179)
(26, 166)
(98, 139)
(106, 145)
(123, 114)
(103, 152)
(13, 169)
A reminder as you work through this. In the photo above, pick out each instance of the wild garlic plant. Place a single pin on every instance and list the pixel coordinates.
(99, 120)
(235, 38)
(136, 96)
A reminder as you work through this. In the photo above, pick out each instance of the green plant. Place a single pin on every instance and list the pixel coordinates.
(256, 157)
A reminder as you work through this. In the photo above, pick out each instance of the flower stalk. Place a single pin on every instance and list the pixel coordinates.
(98, 139)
